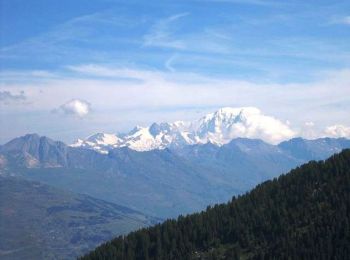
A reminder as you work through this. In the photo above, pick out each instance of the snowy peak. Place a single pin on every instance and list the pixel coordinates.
(104, 139)
(229, 114)
(100, 142)
(140, 139)
(157, 136)
(218, 128)
(228, 123)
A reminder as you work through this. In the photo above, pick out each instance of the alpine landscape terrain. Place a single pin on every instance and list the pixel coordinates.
(174, 130)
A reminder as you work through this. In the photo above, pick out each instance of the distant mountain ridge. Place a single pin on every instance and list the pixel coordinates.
(161, 182)
(218, 128)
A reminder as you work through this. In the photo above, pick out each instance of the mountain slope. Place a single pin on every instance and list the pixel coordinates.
(302, 215)
(41, 222)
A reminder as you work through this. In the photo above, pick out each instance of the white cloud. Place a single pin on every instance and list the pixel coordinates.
(338, 131)
(76, 107)
(249, 122)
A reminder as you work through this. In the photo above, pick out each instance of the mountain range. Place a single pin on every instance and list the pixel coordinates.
(160, 182)
(218, 128)
(75, 197)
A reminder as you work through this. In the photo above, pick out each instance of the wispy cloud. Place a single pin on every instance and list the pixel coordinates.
(341, 20)
(25, 75)
(205, 40)
(117, 73)
(169, 63)
(222, 44)
(160, 34)
(346, 20)
(65, 40)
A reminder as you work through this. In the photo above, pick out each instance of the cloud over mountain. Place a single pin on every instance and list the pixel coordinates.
(228, 123)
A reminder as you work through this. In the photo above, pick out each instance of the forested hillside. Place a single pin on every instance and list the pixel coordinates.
(301, 215)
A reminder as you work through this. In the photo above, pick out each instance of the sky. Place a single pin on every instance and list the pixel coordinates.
(69, 69)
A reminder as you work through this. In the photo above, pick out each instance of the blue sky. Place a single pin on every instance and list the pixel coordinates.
(134, 62)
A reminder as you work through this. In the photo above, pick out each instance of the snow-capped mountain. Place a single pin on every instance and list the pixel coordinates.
(228, 123)
(101, 142)
(219, 128)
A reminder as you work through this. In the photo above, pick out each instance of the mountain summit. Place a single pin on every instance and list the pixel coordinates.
(219, 128)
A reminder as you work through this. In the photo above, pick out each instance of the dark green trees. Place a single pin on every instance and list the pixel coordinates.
(302, 215)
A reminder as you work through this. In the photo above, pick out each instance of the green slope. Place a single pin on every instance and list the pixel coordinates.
(301, 215)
